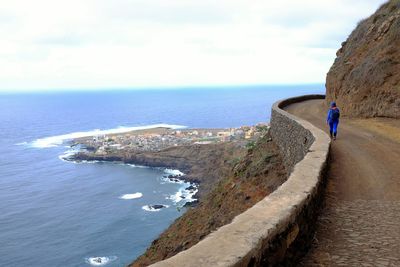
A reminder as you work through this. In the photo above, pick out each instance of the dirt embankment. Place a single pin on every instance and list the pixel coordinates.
(241, 182)
(365, 77)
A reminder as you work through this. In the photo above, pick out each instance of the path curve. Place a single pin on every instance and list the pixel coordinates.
(359, 224)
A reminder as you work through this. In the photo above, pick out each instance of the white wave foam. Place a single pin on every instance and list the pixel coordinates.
(131, 196)
(100, 261)
(57, 140)
(79, 161)
(173, 172)
(184, 195)
(150, 208)
(67, 154)
(172, 180)
(176, 198)
(136, 166)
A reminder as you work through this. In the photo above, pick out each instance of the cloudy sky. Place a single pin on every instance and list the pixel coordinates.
(48, 44)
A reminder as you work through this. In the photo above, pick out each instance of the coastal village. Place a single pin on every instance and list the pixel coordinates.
(161, 138)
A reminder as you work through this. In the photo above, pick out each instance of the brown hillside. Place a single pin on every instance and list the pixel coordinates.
(254, 176)
(365, 77)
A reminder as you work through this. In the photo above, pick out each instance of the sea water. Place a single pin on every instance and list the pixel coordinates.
(58, 213)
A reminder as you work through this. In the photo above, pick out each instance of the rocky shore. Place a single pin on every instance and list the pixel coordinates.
(203, 155)
(231, 169)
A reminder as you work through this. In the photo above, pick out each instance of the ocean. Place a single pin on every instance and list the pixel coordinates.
(58, 213)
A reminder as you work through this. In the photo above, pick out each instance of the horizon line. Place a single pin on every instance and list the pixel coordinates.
(150, 88)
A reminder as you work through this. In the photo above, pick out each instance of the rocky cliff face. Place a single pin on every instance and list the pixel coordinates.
(365, 77)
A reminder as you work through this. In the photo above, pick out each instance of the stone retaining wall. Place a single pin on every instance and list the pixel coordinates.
(276, 230)
(289, 133)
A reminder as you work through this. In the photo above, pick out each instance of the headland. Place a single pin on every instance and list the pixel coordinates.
(231, 170)
(203, 155)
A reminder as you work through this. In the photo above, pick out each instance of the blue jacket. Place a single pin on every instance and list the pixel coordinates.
(329, 117)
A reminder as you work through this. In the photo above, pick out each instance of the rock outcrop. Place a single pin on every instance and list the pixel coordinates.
(365, 77)
(202, 164)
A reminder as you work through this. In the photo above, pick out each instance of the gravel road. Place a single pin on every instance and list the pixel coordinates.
(360, 222)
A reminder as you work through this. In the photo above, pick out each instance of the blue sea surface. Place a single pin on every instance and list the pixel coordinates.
(57, 213)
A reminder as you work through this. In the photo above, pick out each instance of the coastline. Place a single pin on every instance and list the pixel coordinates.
(77, 186)
(227, 175)
(198, 153)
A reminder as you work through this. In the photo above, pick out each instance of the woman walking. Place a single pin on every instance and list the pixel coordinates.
(333, 120)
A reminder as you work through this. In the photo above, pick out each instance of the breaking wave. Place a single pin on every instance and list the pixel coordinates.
(100, 261)
(131, 196)
(154, 207)
(57, 140)
(184, 194)
(174, 172)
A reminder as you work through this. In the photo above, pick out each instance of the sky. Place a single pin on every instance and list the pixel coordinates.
(78, 44)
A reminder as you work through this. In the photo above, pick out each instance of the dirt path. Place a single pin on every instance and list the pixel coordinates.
(360, 222)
